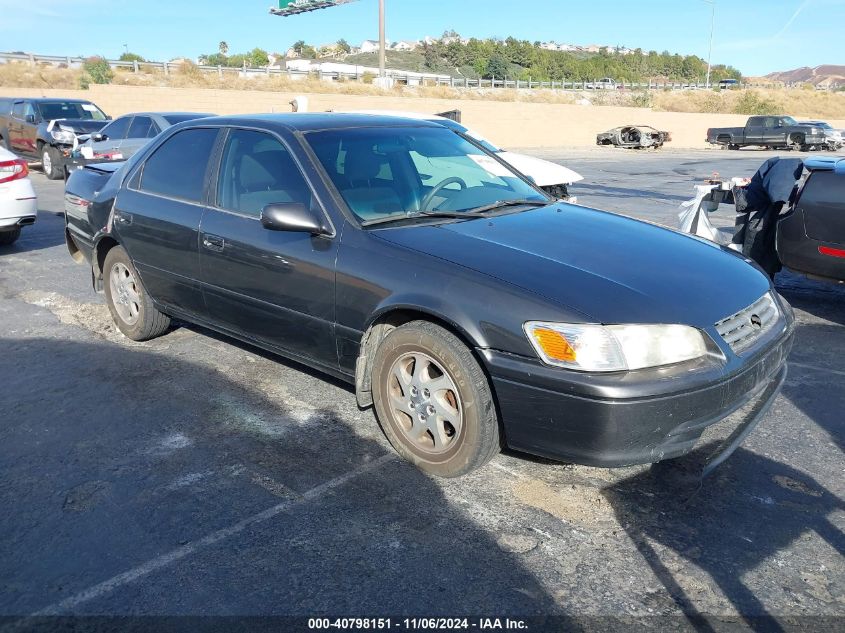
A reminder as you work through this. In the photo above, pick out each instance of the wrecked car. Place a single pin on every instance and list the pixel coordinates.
(634, 137)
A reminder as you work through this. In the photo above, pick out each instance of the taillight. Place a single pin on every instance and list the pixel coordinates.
(13, 170)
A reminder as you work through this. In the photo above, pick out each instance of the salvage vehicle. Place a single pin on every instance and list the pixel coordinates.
(634, 137)
(834, 138)
(124, 136)
(791, 213)
(470, 308)
(46, 129)
(769, 132)
(18, 202)
(552, 178)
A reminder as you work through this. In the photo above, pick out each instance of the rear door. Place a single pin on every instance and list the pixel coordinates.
(143, 128)
(754, 129)
(157, 217)
(273, 286)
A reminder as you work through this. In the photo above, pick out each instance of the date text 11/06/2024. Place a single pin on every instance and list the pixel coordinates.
(435, 624)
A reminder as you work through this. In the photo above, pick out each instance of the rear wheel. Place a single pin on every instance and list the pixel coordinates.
(9, 237)
(130, 305)
(51, 162)
(433, 400)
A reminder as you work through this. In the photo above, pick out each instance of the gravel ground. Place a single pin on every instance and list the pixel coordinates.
(192, 475)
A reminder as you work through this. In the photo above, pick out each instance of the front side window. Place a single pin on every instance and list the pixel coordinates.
(256, 170)
(384, 171)
(116, 130)
(177, 168)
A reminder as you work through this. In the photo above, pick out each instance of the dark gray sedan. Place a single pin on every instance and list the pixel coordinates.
(469, 307)
(124, 136)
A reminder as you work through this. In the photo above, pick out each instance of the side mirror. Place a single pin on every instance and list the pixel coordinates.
(30, 118)
(97, 137)
(292, 216)
(109, 117)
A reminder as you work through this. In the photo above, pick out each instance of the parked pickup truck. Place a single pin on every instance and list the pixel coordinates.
(45, 129)
(769, 131)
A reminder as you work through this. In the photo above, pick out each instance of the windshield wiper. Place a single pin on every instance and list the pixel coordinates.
(423, 214)
(478, 212)
(499, 204)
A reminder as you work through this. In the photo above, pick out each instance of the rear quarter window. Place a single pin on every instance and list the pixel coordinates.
(177, 169)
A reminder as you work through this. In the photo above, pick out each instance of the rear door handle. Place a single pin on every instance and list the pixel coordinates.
(213, 242)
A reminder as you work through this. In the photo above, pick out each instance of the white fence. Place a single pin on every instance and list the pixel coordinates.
(398, 76)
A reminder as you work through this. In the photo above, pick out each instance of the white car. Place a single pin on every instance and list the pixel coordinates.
(18, 203)
(552, 178)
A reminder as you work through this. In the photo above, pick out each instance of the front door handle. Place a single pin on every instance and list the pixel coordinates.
(213, 242)
(123, 218)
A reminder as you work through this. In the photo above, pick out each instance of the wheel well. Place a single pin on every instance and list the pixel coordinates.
(374, 335)
(73, 249)
(100, 251)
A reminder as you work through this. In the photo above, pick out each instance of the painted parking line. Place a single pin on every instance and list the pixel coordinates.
(825, 370)
(179, 553)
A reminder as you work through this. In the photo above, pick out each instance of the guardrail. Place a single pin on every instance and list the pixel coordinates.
(401, 77)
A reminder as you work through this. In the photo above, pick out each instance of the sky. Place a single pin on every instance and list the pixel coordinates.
(756, 36)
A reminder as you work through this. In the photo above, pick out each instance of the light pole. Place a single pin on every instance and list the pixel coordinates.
(712, 4)
(381, 38)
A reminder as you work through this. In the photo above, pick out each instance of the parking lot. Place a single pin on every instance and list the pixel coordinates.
(195, 475)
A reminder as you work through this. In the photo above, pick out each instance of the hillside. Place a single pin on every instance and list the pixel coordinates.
(820, 75)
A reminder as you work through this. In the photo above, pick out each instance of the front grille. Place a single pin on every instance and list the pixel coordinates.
(743, 329)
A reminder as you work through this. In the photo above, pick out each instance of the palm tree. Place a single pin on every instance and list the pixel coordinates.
(224, 47)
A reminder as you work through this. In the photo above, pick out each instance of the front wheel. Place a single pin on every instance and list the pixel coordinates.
(130, 305)
(433, 400)
(51, 163)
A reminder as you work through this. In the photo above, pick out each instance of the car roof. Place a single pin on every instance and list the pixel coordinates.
(309, 122)
(48, 99)
(174, 113)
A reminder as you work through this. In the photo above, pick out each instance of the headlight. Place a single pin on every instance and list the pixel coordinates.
(590, 347)
(63, 136)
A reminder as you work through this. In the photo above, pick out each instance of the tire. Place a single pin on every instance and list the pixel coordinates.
(796, 142)
(131, 308)
(459, 408)
(8, 238)
(50, 163)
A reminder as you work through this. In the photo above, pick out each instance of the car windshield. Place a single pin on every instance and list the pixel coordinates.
(453, 125)
(409, 172)
(70, 110)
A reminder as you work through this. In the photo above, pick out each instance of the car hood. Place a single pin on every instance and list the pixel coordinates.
(544, 173)
(609, 268)
(80, 126)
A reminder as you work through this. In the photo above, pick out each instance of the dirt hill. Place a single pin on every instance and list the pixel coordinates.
(820, 75)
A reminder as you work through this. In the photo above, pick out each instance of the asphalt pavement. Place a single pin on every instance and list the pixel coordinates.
(193, 475)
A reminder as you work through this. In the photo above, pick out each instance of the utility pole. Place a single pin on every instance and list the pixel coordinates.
(381, 44)
(712, 4)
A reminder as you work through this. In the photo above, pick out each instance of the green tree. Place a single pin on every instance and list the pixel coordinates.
(131, 57)
(497, 66)
(343, 46)
(257, 58)
(97, 70)
(223, 47)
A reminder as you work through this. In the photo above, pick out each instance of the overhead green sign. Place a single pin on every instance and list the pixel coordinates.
(293, 7)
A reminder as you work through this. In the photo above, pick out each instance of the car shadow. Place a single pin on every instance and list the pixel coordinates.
(118, 454)
(737, 520)
(606, 191)
(824, 299)
(48, 231)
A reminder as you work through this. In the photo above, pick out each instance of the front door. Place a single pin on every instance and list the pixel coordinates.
(276, 287)
(157, 218)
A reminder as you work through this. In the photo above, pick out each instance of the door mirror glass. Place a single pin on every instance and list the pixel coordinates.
(30, 118)
(97, 137)
(291, 216)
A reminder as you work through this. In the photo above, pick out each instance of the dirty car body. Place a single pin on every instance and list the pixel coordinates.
(508, 278)
(634, 137)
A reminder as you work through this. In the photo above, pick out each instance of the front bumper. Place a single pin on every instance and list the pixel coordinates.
(545, 413)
